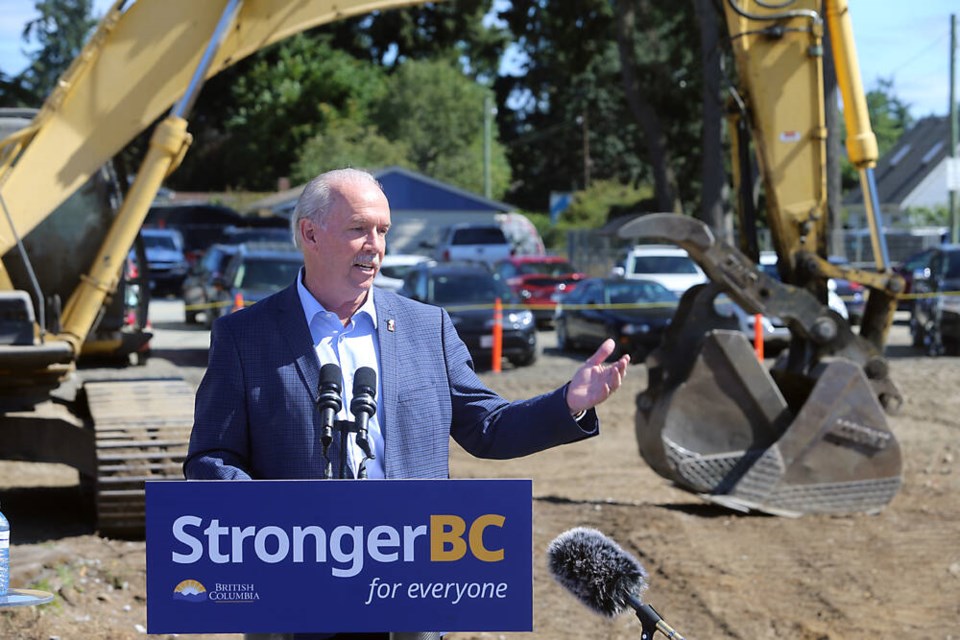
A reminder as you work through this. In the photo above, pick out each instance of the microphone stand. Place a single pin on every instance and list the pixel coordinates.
(650, 621)
(345, 428)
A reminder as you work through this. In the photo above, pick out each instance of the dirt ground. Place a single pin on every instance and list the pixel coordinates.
(713, 573)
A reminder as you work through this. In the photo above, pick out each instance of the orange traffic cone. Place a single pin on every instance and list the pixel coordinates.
(758, 336)
(238, 302)
(497, 335)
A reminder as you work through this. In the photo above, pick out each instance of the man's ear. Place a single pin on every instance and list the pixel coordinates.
(308, 231)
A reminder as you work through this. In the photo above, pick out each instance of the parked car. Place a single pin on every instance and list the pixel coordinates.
(915, 263)
(394, 268)
(255, 272)
(201, 224)
(937, 310)
(539, 281)
(472, 242)
(669, 265)
(166, 261)
(853, 294)
(240, 235)
(200, 286)
(633, 312)
(467, 292)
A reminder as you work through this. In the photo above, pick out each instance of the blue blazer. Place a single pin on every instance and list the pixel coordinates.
(256, 414)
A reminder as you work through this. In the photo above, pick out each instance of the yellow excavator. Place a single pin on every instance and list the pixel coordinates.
(65, 237)
(810, 434)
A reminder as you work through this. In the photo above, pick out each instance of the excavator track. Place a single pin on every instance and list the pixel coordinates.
(142, 431)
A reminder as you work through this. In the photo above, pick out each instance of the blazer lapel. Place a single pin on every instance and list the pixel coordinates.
(296, 333)
(387, 336)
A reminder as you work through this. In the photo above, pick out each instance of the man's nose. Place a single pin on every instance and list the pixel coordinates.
(375, 239)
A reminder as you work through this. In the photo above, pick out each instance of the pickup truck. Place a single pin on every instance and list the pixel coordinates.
(473, 243)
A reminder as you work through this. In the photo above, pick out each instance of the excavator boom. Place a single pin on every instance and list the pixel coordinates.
(138, 62)
(144, 56)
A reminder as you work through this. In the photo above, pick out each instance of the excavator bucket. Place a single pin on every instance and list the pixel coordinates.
(807, 436)
(727, 433)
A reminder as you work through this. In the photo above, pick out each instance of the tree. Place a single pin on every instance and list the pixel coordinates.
(712, 164)
(436, 112)
(592, 207)
(889, 118)
(889, 115)
(422, 32)
(60, 32)
(345, 142)
(585, 100)
(239, 122)
(273, 106)
(641, 103)
(566, 121)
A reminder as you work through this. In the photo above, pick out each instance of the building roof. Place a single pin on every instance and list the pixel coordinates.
(406, 190)
(901, 170)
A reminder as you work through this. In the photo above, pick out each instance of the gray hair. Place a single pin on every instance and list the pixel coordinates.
(320, 194)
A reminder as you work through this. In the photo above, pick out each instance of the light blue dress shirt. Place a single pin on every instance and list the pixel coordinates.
(350, 347)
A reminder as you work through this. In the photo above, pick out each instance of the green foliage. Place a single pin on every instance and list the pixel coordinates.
(436, 112)
(425, 31)
(591, 209)
(59, 33)
(889, 118)
(603, 201)
(889, 115)
(283, 99)
(553, 236)
(345, 142)
(281, 110)
(569, 121)
(927, 217)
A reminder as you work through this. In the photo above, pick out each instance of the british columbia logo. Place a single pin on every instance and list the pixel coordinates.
(190, 591)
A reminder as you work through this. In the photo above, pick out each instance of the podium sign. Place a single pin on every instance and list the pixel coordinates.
(333, 556)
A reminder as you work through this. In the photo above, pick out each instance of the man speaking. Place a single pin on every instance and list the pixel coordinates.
(257, 414)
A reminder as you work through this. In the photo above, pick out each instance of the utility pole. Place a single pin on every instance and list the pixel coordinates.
(954, 162)
(488, 112)
(586, 151)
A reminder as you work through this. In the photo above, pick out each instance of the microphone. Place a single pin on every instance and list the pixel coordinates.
(604, 577)
(364, 404)
(329, 401)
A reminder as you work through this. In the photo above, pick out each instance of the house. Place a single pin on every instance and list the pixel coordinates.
(911, 175)
(420, 206)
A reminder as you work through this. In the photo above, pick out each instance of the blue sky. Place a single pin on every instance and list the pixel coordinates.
(908, 42)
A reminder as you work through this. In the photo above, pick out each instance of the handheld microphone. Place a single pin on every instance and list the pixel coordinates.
(364, 404)
(604, 577)
(329, 401)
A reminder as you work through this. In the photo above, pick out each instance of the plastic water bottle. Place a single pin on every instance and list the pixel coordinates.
(4, 555)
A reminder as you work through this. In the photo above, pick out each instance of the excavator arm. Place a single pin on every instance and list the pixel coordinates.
(144, 56)
(810, 434)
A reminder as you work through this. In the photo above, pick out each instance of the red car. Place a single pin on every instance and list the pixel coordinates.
(539, 281)
(917, 262)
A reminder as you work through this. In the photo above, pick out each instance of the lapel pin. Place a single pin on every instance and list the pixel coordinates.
(391, 325)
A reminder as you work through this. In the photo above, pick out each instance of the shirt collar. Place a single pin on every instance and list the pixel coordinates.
(311, 306)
